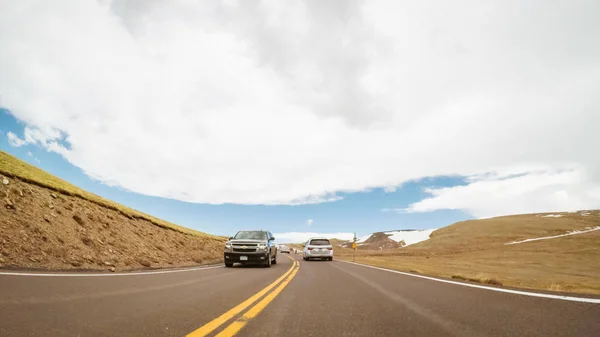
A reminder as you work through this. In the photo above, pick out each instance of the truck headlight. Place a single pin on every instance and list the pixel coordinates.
(262, 246)
(228, 246)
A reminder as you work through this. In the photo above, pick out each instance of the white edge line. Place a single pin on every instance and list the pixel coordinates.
(517, 292)
(84, 274)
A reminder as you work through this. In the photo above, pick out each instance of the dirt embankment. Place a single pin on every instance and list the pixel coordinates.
(43, 229)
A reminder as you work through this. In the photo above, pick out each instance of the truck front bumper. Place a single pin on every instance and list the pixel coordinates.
(249, 257)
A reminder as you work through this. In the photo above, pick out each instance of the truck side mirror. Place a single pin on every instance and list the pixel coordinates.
(272, 238)
(231, 237)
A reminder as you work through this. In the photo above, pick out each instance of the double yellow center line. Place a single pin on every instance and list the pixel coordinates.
(239, 323)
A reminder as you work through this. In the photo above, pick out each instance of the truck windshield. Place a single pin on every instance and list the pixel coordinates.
(251, 235)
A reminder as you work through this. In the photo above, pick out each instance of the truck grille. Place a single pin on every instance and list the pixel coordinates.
(244, 247)
(244, 250)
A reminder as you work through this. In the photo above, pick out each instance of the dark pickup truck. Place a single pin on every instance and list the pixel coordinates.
(251, 247)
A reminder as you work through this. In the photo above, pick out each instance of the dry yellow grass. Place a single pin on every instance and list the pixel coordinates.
(475, 250)
(15, 168)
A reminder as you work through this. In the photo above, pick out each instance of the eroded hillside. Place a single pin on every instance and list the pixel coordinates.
(46, 223)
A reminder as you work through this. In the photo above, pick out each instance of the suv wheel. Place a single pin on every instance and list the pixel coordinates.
(228, 264)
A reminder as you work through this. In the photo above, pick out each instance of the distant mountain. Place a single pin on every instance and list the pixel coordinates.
(390, 239)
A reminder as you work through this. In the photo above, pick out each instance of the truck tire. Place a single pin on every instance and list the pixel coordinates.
(228, 264)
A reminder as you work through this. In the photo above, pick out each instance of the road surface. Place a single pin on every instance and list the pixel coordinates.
(293, 298)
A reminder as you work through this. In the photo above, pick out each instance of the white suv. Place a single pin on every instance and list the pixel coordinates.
(318, 248)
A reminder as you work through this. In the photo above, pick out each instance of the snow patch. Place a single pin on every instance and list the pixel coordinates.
(410, 237)
(575, 232)
(364, 238)
(552, 216)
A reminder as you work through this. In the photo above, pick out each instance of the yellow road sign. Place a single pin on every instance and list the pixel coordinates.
(354, 245)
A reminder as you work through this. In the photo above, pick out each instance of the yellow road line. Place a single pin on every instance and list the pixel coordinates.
(217, 322)
(237, 325)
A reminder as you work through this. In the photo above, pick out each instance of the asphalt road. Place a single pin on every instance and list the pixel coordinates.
(316, 298)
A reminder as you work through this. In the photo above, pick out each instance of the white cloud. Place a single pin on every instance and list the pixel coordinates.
(503, 194)
(309, 222)
(299, 237)
(29, 153)
(389, 189)
(41, 137)
(271, 104)
(14, 140)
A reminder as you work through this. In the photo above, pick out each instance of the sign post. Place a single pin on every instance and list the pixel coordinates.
(354, 248)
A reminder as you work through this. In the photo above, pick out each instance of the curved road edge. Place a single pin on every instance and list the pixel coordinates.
(502, 290)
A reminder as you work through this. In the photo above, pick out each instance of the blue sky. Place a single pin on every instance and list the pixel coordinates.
(361, 212)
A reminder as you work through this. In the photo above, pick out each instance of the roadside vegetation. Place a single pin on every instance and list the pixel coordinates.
(478, 251)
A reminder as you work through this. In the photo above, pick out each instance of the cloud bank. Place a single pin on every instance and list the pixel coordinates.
(14, 140)
(264, 103)
(533, 192)
(300, 237)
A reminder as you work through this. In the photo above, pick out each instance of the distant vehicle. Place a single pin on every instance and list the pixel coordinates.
(284, 249)
(251, 247)
(318, 248)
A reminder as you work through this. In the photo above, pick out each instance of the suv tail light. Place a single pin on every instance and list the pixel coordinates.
(310, 248)
(330, 248)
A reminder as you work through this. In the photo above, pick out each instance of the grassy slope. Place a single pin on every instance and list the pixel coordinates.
(13, 167)
(476, 250)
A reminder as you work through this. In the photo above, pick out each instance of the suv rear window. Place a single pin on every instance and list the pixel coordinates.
(319, 242)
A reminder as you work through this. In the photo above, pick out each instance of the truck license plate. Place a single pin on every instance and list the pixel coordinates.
(243, 258)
